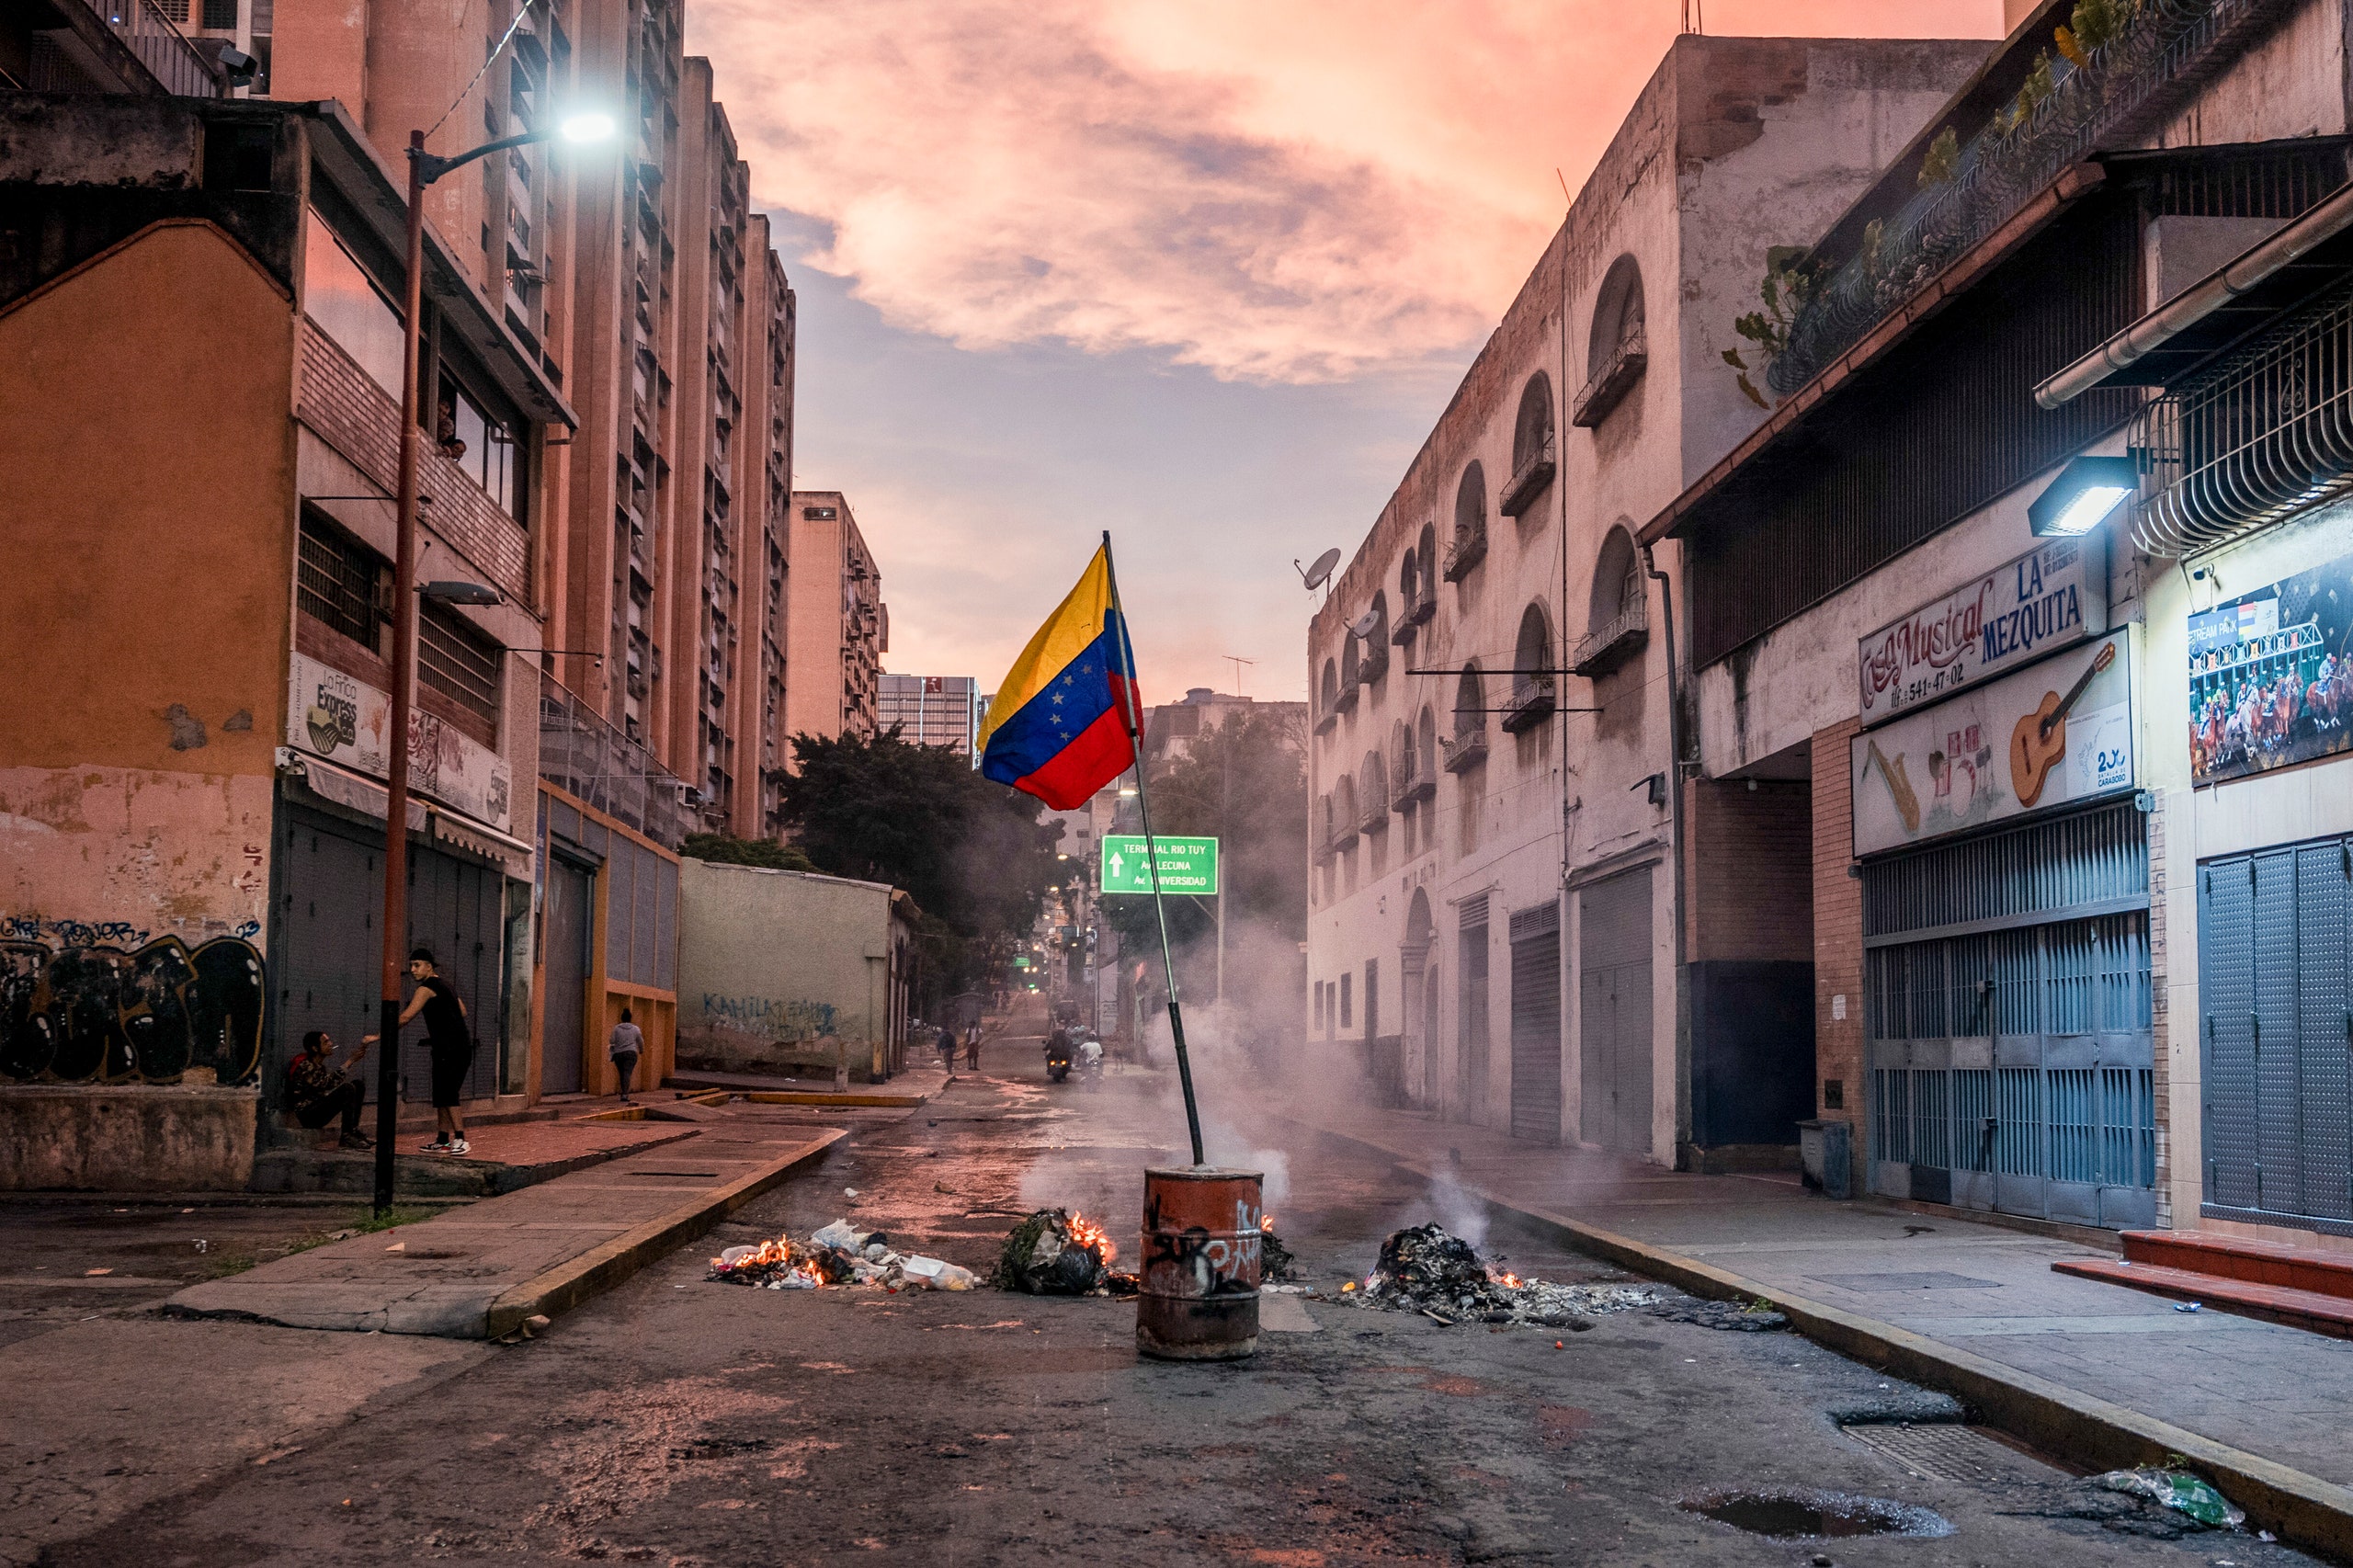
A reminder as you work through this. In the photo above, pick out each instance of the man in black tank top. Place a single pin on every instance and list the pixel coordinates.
(448, 1044)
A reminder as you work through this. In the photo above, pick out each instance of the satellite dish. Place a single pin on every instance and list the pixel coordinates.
(1315, 577)
(1365, 625)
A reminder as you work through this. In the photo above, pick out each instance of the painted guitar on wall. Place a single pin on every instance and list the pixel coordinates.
(2039, 741)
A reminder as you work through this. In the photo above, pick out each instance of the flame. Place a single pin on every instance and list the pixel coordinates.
(1085, 1232)
(1508, 1281)
(1266, 1223)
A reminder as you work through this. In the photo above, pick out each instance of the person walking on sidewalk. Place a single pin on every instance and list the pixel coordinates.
(973, 1047)
(317, 1092)
(448, 1044)
(947, 1044)
(626, 1042)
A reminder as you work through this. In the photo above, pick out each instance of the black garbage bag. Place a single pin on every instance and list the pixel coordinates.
(1040, 1258)
(1276, 1261)
(1423, 1266)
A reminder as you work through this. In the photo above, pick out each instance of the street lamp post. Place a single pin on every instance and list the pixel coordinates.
(424, 168)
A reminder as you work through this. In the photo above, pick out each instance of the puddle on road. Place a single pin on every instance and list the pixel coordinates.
(1804, 1514)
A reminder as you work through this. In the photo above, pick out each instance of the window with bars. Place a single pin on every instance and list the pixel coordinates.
(221, 13)
(341, 582)
(457, 662)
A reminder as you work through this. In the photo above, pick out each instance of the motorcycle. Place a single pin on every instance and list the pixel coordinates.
(1058, 1062)
(1090, 1062)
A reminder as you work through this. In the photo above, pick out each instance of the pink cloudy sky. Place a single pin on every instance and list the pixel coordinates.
(1202, 272)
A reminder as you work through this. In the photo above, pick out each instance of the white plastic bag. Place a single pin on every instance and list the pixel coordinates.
(841, 1235)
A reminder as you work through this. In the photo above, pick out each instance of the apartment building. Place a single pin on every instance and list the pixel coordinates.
(640, 280)
(837, 626)
(1495, 927)
(930, 711)
(195, 814)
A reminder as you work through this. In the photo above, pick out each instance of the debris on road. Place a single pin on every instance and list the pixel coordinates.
(1056, 1253)
(839, 1254)
(1425, 1269)
(1276, 1261)
(1758, 1317)
(2178, 1490)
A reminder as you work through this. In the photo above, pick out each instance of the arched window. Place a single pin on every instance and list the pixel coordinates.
(1426, 733)
(1532, 683)
(1344, 813)
(1469, 701)
(1373, 792)
(1400, 746)
(1616, 347)
(1417, 580)
(1328, 703)
(1531, 447)
(1617, 613)
(1376, 642)
(1323, 828)
(1468, 743)
(1351, 673)
(1470, 543)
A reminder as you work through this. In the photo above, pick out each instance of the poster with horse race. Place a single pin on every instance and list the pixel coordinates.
(2270, 678)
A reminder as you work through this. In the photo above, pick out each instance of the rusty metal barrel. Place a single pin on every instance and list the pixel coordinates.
(1198, 1296)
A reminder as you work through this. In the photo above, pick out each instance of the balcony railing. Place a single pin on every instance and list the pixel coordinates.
(1465, 748)
(1612, 644)
(1351, 685)
(2165, 46)
(1411, 617)
(1532, 703)
(1375, 662)
(595, 764)
(1469, 548)
(1610, 384)
(1328, 717)
(1529, 481)
(169, 57)
(2259, 437)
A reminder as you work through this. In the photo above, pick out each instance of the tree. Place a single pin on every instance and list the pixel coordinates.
(1246, 782)
(971, 853)
(725, 849)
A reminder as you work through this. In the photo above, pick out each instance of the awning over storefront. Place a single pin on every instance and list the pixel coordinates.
(342, 787)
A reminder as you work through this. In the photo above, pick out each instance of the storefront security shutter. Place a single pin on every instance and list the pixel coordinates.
(2007, 1017)
(2278, 1026)
(1536, 1023)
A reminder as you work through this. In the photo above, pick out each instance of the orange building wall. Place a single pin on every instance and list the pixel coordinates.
(148, 455)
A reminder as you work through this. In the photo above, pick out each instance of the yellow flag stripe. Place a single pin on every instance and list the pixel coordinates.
(1076, 621)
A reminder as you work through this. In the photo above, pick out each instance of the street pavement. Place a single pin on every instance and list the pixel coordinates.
(2278, 1392)
(686, 1421)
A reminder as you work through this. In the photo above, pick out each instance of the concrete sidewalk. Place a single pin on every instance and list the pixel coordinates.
(2091, 1370)
(478, 1271)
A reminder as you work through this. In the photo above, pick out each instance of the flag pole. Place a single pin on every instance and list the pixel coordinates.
(1131, 719)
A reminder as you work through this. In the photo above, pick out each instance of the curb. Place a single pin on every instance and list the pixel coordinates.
(2302, 1509)
(818, 1097)
(592, 1273)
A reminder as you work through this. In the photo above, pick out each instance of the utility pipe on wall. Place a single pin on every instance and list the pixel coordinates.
(1675, 850)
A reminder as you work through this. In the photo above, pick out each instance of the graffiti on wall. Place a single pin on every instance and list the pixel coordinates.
(103, 1012)
(784, 1022)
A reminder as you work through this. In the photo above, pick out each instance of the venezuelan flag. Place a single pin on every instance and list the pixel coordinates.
(1055, 729)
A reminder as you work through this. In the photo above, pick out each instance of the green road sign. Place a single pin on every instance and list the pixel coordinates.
(1186, 865)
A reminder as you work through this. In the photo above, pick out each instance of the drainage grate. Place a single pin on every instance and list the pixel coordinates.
(1950, 1453)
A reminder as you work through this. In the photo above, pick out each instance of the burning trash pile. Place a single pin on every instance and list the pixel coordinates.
(837, 1255)
(1057, 1253)
(1276, 1261)
(1424, 1269)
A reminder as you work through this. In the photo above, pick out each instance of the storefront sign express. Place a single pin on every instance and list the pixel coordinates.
(2050, 735)
(2015, 614)
(2270, 680)
(330, 714)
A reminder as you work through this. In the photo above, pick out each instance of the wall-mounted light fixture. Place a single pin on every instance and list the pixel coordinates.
(2083, 495)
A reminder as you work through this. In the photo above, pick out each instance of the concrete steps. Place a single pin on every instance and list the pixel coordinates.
(2260, 1279)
